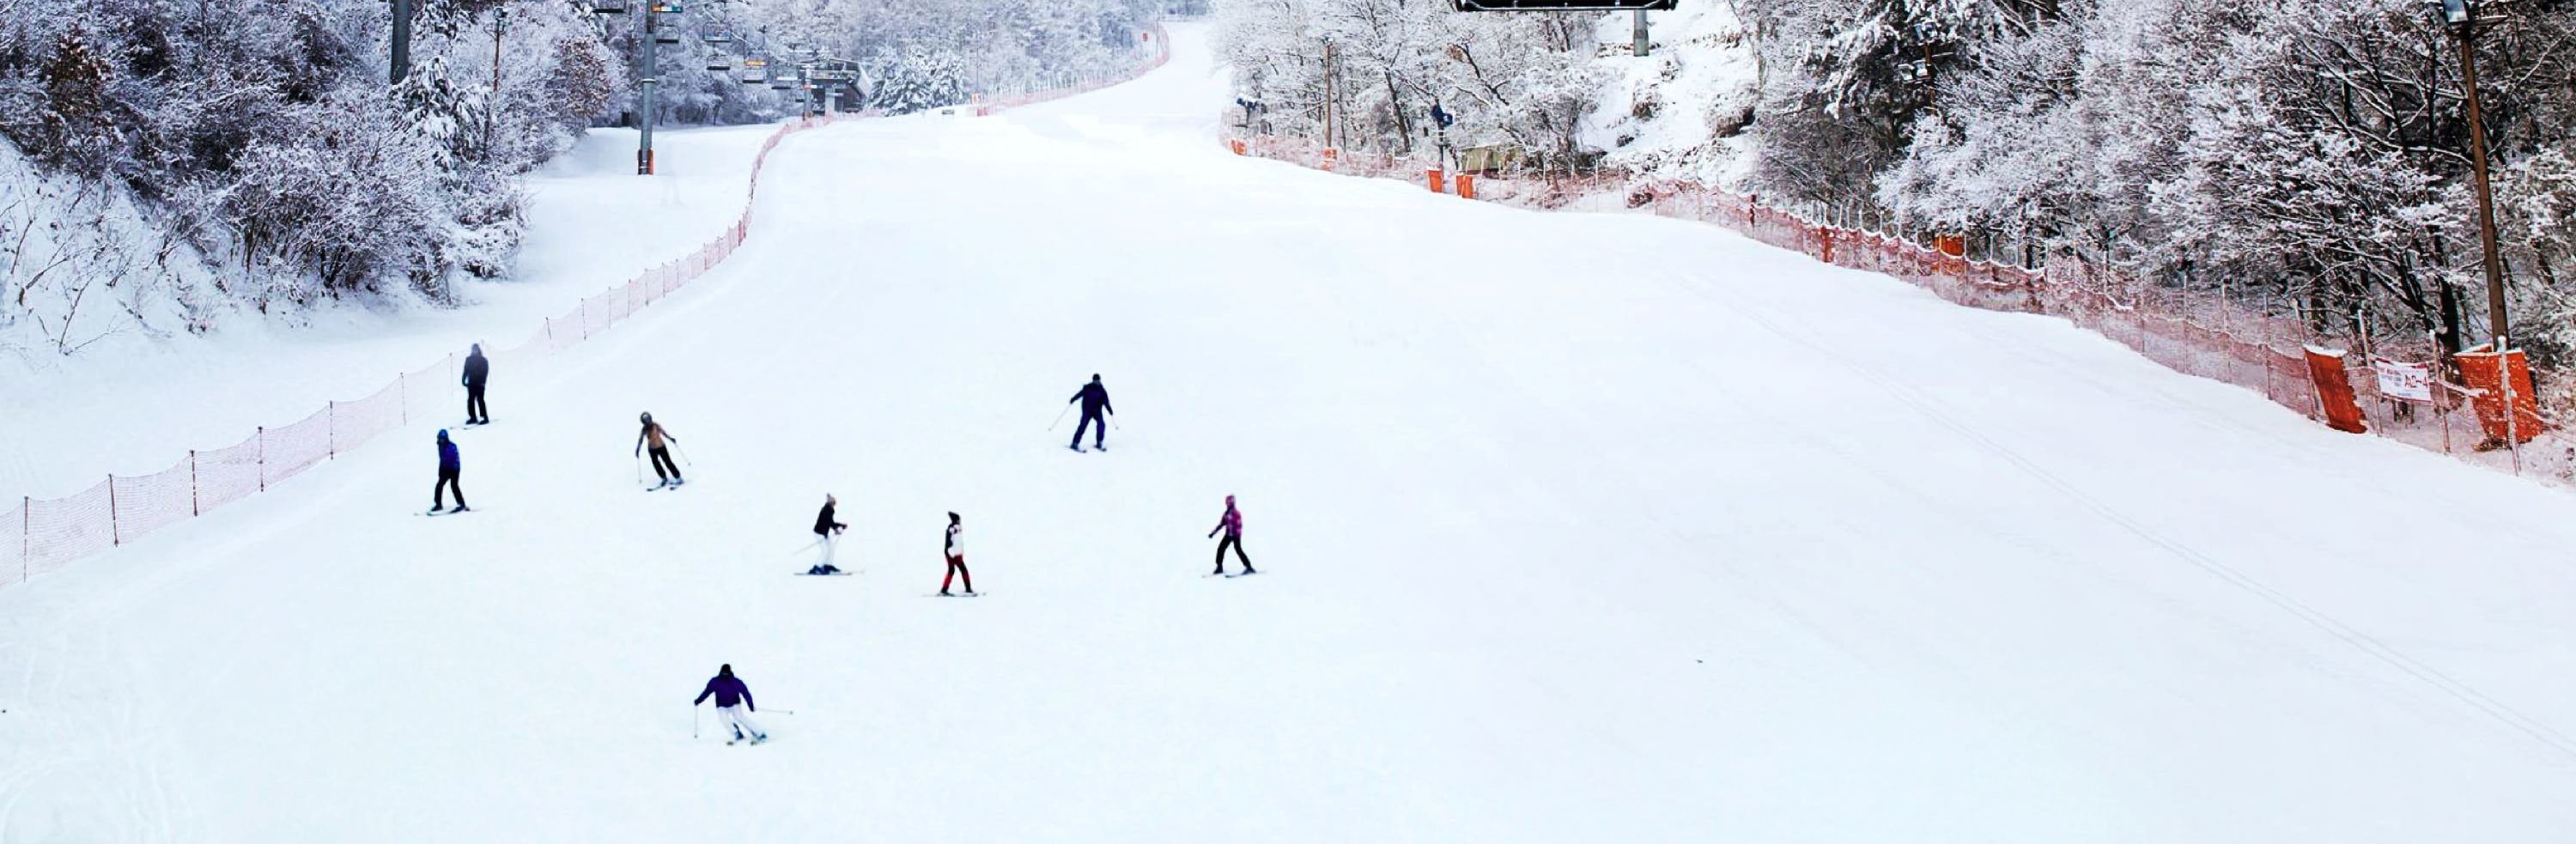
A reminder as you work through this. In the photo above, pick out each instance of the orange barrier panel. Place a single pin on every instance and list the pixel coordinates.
(1436, 186)
(1466, 186)
(2334, 391)
(1330, 154)
(2483, 369)
(1237, 144)
(1951, 245)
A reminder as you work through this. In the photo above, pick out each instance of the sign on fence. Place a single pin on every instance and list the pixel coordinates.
(2406, 381)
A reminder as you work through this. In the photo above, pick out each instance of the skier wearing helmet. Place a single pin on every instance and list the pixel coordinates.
(658, 441)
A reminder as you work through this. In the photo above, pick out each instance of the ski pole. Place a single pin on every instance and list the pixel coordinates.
(693, 722)
(1059, 416)
(676, 449)
(639, 468)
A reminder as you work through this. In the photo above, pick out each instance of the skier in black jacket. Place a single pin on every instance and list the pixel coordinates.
(1095, 402)
(827, 528)
(477, 369)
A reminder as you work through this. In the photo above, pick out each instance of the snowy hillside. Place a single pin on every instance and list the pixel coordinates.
(1684, 109)
(593, 225)
(1686, 540)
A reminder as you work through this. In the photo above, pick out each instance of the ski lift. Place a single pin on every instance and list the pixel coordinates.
(753, 79)
(781, 85)
(719, 65)
(755, 62)
(719, 38)
(608, 7)
(666, 39)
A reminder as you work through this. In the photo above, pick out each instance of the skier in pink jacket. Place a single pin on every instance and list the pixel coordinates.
(1232, 524)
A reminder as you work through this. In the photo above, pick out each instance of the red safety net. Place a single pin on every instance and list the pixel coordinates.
(226, 475)
(13, 555)
(2205, 336)
(61, 530)
(145, 503)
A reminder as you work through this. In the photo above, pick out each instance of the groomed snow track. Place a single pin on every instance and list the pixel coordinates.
(1572, 528)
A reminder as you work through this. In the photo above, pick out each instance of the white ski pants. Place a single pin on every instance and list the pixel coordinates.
(827, 550)
(739, 721)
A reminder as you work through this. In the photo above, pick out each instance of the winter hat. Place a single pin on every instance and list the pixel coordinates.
(442, 435)
(725, 670)
(952, 517)
(648, 418)
(1229, 501)
(1095, 376)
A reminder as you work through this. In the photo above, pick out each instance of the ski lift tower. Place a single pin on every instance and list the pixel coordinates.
(825, 76)
(1638, 7)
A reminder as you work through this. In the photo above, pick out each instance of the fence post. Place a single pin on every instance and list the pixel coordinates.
(194, 508)
(402, 394)
(330, 430)
(26, 534)
(115, 535)
(260, 435)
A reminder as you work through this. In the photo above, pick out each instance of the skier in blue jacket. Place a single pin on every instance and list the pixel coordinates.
(1095, 402)
(732, 699)
(448, 468)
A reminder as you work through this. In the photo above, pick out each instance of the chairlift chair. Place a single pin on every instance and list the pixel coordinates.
(713, 64)
(719, 38)
(608, 8)
(666, 39)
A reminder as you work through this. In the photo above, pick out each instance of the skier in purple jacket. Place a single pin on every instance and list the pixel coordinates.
(1232, 524)
(449, 466)
(732, 700)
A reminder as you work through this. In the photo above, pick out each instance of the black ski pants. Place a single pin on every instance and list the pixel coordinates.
(446, 481)
(474, 409)
(1236, 543)
(1099, 430)
(661, 458)
(957, 569)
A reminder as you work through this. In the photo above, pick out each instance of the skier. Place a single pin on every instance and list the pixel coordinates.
(448, 468)
(733, 704)
(1095, 401)
(1232, 524)
(654, 435)
(956, 557)
(826, 528)
(477, 369)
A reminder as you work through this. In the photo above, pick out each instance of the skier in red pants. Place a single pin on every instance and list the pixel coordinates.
(956, 558)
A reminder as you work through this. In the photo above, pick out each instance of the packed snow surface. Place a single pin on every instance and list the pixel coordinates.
(1571, 528)
(137, 407)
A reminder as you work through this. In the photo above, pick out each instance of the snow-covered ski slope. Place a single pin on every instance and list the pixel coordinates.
(1572, 528)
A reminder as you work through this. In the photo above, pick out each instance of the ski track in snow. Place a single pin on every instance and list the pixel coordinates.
(1571, 527)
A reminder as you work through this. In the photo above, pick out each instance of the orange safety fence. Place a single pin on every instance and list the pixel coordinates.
(53, 532)
(2205, 336)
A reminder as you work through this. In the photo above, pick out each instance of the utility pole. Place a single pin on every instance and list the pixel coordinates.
(401, 66)
(652, 49)
(500, 24)
(1642, 45)
(1328, 94)
(2486, 198)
